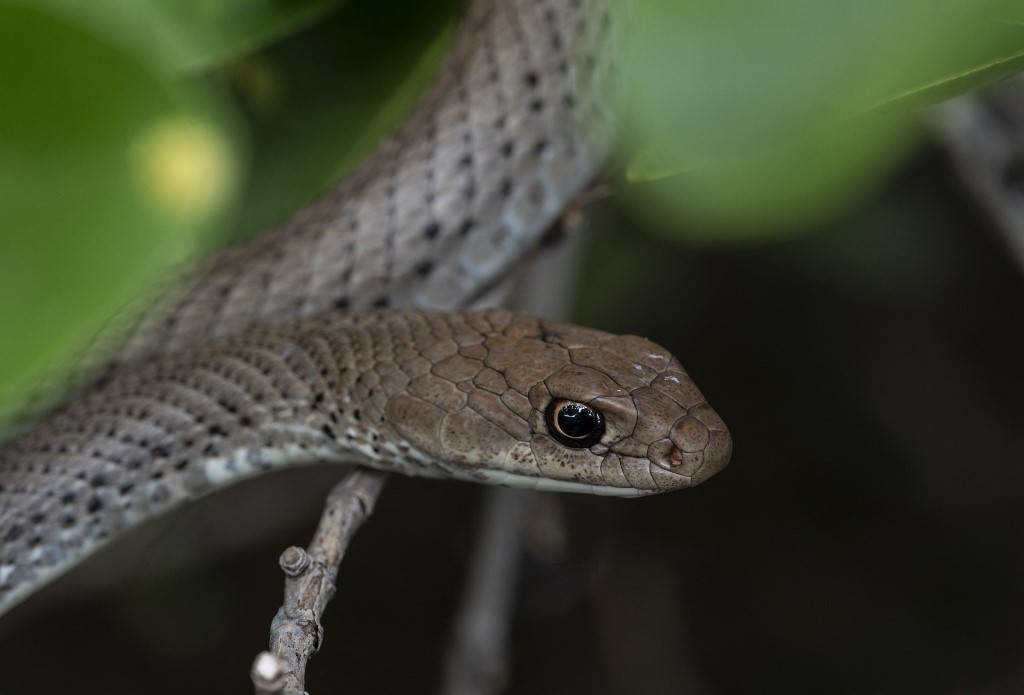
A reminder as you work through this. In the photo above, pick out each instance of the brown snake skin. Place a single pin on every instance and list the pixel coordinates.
(514, 126)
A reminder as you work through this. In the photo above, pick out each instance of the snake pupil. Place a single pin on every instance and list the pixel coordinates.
(574, 424)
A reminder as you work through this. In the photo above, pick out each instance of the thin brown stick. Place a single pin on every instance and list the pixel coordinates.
(296, 631)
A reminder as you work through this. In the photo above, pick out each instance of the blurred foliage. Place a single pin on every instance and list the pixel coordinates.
(95, 196)
(185, 37)
(760, 118)
(117, 164)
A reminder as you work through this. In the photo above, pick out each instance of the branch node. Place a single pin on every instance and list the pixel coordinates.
(294, 561)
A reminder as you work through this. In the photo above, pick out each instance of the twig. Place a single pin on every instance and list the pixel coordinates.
(296, 632)
(477, 662)
(985, 140)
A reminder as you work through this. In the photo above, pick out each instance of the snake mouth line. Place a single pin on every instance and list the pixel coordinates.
(528, 482)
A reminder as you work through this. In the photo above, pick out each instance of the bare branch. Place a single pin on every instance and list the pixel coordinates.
(296, 632)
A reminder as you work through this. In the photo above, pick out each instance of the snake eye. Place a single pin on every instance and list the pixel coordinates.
(574, 424)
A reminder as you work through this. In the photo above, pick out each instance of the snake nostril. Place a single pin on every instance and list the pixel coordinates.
(690, 434)
(665, 454)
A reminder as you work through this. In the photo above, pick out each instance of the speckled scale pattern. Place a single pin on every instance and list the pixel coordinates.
(425, 393)
(514, 126)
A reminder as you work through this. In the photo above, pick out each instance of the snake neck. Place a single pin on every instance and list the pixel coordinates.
(150, 438)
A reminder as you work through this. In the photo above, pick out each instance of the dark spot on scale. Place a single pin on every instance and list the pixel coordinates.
(67, 498)
(98, 480)
(326, 429)
(381, 303)
(532, 78)
(506, 188)
(431, 230)
(424, 268)
(95, 504)
(217, 431)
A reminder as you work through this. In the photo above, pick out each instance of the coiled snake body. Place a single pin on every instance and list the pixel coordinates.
(514, 126)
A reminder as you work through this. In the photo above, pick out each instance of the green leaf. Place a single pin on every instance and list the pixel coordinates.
(768, 117)
(108, 176)
(188, 37)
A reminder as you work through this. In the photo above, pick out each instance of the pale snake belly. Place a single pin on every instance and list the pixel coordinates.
(513, 127)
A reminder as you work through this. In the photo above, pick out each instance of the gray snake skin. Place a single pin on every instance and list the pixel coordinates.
(318, 341)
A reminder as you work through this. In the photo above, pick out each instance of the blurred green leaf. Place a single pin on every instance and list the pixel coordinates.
(108, 175)
(768, 117)
(188, 37)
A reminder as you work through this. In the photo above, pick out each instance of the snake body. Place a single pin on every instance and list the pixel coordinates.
(319, 341)
(459, 395)
(515, 125)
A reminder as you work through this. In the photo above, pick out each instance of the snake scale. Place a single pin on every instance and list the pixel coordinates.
(320, 340)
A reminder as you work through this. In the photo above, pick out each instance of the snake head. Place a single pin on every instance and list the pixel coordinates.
(650, 429)
(551, 406)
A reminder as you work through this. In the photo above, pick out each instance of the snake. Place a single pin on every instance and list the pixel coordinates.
(348, 332)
